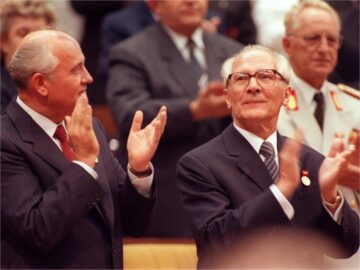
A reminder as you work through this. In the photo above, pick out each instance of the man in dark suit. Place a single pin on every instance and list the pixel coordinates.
(156, 68)
(234, 192)
(65, 200)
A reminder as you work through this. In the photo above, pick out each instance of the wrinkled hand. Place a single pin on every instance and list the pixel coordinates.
(81, 133)
(211, 25)
(142, 143)
(333, 169)
(351, 176)
(289, 173)
(210, 103)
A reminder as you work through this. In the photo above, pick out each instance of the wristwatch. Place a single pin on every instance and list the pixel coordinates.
(145, 173)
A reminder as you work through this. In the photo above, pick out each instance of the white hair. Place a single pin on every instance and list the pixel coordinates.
(34, 55)
(281, 63)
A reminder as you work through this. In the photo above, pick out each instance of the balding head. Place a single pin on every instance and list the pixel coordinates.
(36, 54)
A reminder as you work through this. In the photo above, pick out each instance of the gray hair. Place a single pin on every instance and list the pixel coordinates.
(291, 21)
(25, 8)
(281, 63)
(32, 56)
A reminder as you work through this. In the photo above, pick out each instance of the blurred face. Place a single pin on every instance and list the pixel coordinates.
(20, 26)
(254, 104)
(69, 80)
(182, 16)
(313, 47)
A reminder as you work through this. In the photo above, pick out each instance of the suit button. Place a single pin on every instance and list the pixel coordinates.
(114, 250)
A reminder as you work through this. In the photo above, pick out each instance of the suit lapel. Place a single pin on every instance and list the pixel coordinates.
(304, 119)
(31, 133)
(47, 150)
(214, 57)
(178, 68)
(248, 161)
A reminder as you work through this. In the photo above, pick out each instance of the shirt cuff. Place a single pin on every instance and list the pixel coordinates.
(143, 184)
(337, 216)
(284, 203)
(87, 168)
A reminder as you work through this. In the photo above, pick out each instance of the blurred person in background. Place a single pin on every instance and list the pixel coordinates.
(322, 109)
(18, 18)
(174, 63)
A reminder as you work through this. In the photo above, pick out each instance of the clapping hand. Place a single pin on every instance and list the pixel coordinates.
(142, 143)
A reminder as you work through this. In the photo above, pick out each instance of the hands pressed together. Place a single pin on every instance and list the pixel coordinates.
(210, 102)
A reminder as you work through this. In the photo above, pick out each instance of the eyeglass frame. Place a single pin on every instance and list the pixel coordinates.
(254, 75)
(317, 39)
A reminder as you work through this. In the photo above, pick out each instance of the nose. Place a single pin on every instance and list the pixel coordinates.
(253, 86)
(87, 79)
(323, 44)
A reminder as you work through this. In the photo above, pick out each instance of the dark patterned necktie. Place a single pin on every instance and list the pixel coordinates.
(320, 108)
(61, 135)
(197, 69)
(268, 152)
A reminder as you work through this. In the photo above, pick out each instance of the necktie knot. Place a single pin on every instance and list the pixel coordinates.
(267, 149)
(61, 135)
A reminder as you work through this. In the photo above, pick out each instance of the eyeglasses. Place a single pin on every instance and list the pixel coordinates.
(264, 77)
(333, 41)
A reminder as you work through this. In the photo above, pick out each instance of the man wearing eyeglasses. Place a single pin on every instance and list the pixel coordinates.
(250, 185)
(317, 106)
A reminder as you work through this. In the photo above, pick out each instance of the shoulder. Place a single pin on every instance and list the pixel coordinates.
(222, 41)
(352, 93)
(204, 152)
(140, 42)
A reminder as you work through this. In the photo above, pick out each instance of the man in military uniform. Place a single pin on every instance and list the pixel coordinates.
(321, 109)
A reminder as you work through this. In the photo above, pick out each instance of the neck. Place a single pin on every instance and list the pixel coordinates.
(37, 105)
(315, 80)
(263, 130)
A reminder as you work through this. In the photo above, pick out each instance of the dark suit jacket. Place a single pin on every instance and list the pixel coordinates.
(53, 213)
(146, 72)
(224, 188)
(8, 89)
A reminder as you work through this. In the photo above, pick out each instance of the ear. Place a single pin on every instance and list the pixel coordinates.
(227, 98)
(287, 95)
(38, 83)
(286, 44)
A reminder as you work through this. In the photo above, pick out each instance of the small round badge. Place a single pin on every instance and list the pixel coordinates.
(305, 179)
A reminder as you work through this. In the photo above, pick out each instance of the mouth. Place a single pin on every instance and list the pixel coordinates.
(253, 102)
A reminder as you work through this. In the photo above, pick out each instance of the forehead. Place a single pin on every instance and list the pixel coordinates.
(315, 19)
(253, 60)
(67, 51)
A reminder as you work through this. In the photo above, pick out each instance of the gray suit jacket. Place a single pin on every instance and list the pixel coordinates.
(146, 72)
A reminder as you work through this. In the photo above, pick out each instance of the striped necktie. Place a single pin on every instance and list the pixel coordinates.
(268, 152)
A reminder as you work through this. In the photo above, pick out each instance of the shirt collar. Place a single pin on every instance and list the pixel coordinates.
(307, 90)
(256, 141)
(181, 40)
(45, 123)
